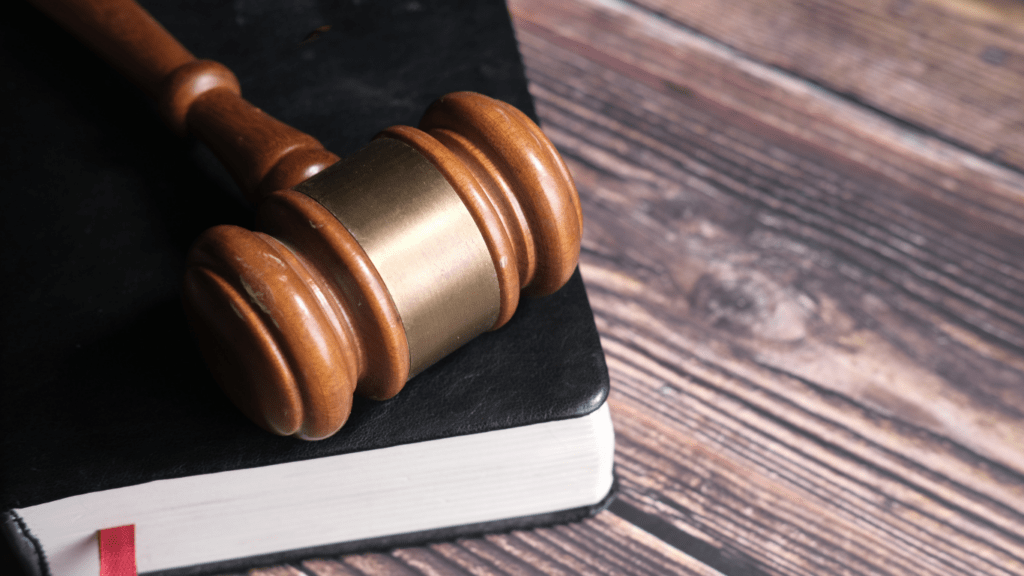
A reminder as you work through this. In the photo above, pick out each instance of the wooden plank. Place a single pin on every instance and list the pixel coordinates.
(951, 67)
(816, 362)
(960, 271)
(660, 54)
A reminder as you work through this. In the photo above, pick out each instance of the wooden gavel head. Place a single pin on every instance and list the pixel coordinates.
(364, 271)
(376, 267)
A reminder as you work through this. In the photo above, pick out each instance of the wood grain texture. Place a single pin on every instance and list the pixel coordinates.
(799, 205)
(817, 365)
(606, 544)
(811, 312)
(953, 67)
(649, 50)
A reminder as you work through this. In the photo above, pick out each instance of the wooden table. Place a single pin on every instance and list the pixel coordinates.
(804, 247)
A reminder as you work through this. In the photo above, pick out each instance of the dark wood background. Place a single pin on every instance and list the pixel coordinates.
(804, 246)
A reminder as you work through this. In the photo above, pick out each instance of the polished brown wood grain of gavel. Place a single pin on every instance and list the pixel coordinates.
(366, 270)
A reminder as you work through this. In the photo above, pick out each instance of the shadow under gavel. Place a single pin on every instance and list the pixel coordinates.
(364, 271)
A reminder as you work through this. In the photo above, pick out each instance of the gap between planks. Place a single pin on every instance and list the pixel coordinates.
(623, 37)
(963, 501)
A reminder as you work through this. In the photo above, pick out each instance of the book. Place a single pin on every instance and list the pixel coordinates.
(106, 409)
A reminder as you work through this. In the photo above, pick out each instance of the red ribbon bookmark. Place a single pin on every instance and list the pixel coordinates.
(117, 551)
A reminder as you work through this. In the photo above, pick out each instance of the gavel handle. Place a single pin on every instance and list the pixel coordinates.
(200, 97)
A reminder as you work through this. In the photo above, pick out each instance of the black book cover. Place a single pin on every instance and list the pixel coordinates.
(101, 384)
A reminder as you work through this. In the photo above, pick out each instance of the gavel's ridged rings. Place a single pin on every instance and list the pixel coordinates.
(533, 170)
(366, 306)
(296, 375)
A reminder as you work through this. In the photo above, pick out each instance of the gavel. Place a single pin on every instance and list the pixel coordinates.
(361, 272)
